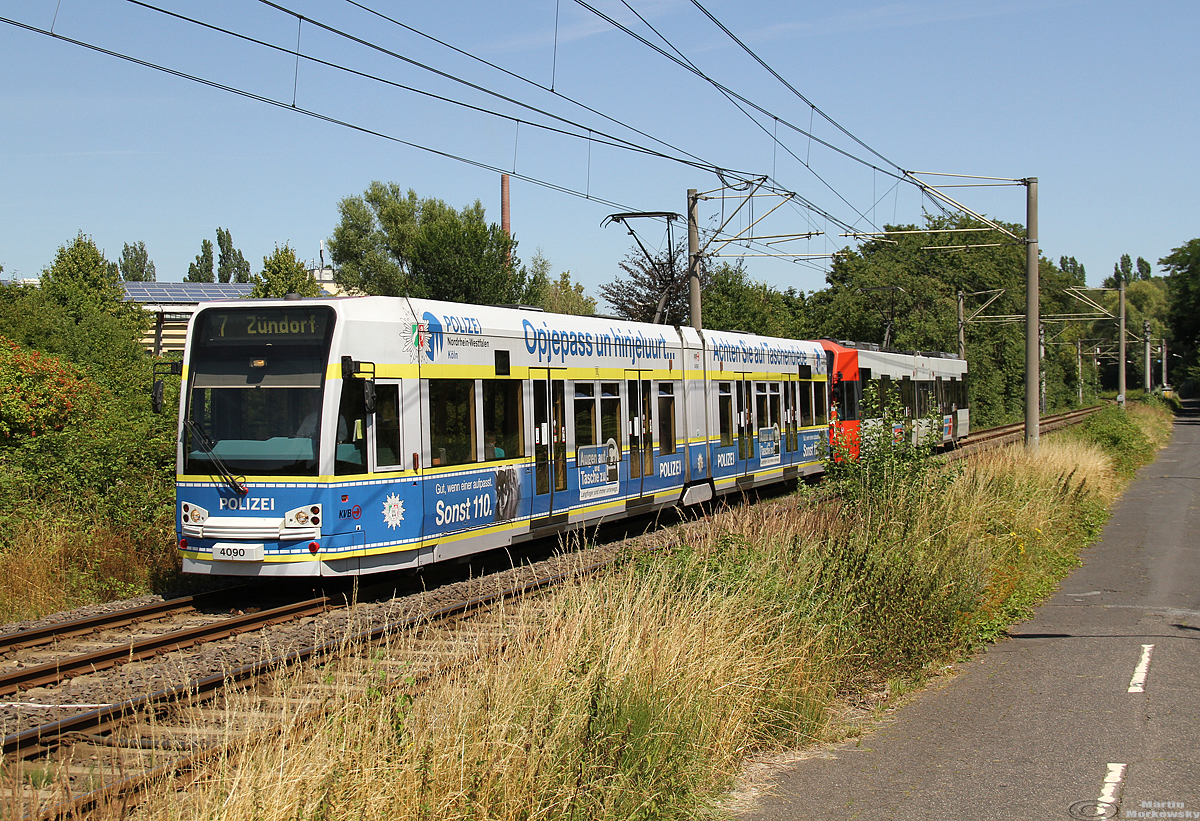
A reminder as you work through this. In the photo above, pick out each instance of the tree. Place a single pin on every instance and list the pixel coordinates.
(1183, 284)
(861, 302)
(396, 244)
(135, 265)
(734, 302)
(231, 265)
(459, 257)
(202, 269)
(637, 298)
(563, 297)
(1145, 272)
(537, 278)
(82, 281)
(1122, 272)
(283, 274)
(1073, 269)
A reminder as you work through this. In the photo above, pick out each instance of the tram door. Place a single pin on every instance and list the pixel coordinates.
(549, 441)
(639, 415)
(789, 418)
(746, 424)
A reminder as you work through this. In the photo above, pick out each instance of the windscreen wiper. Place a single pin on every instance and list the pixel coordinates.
(236, 483)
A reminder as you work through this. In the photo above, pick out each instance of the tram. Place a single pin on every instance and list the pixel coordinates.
(930, 389)
(342, 436)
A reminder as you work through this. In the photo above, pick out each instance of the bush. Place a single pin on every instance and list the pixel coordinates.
(83, 461)
(1113, 430)
(38, 393)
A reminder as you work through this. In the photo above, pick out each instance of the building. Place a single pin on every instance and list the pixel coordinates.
(172, 305)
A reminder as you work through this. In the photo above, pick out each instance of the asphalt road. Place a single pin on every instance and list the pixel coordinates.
(1052, 723)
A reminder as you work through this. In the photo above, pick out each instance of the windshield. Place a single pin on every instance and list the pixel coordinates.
(254, 390)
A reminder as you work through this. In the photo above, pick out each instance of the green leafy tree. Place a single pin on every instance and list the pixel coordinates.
(1183, 284)
(135, 265)
(231, 265)
(908, 285)
(396, 244)
(558, 296)
(283, 274)
(458, 257)
(733, 302)
(637, 295)
(1073, 269)
(1122, 272)
(1144, 271)
(202, 269)
(83, 282)
(564, 297)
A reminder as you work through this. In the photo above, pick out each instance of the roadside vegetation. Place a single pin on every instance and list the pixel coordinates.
(86, 470)
(641, 694)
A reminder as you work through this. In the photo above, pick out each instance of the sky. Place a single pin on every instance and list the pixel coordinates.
(1097, 100)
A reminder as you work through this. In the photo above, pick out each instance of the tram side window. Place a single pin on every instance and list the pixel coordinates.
(610, 412)
(886, 397)
(848, 399)
(926, 399)
(350, 455)
(387, 425)
(503, 419)
(452, 421)
(819, 403)
(908, 395)
(725, 412)
(585, 414)
(806, 404)
(666, 418)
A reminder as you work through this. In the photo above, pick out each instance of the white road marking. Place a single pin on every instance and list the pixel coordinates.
(1112, 783)
(1137, 684)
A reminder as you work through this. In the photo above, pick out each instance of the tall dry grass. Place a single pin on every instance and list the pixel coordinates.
(639, 694)
(49, 565)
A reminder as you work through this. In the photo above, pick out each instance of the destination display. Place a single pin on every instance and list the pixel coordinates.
(265, 326)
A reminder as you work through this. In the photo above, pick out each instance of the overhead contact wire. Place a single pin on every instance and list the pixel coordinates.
(308, 113)
(608, 139)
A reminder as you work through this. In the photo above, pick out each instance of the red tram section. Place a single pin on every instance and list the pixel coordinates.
(928, 389)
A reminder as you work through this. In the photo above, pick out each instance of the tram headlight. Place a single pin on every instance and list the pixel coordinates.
(307, 516)
(194, 514)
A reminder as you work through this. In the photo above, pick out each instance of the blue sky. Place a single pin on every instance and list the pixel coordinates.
(1096, 99)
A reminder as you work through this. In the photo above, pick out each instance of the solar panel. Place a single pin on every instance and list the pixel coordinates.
(184, 292)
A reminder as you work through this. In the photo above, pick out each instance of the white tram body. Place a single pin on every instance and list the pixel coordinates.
(929, 389)
(932, 389)
(367, 434)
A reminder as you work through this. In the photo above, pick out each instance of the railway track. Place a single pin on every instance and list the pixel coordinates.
(1009, 434)
(101, 755)
(138, 648)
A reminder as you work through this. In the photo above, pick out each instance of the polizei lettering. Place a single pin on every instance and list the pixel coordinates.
(247, 503)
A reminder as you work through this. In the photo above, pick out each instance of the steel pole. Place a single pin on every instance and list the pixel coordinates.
(1146, 378)
(1121, 345)
(1032, 318)
(694, 260)
(1079, 369)
(962, 326)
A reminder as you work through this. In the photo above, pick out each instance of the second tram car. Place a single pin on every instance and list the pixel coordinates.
(357, 435)
(930, 388)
